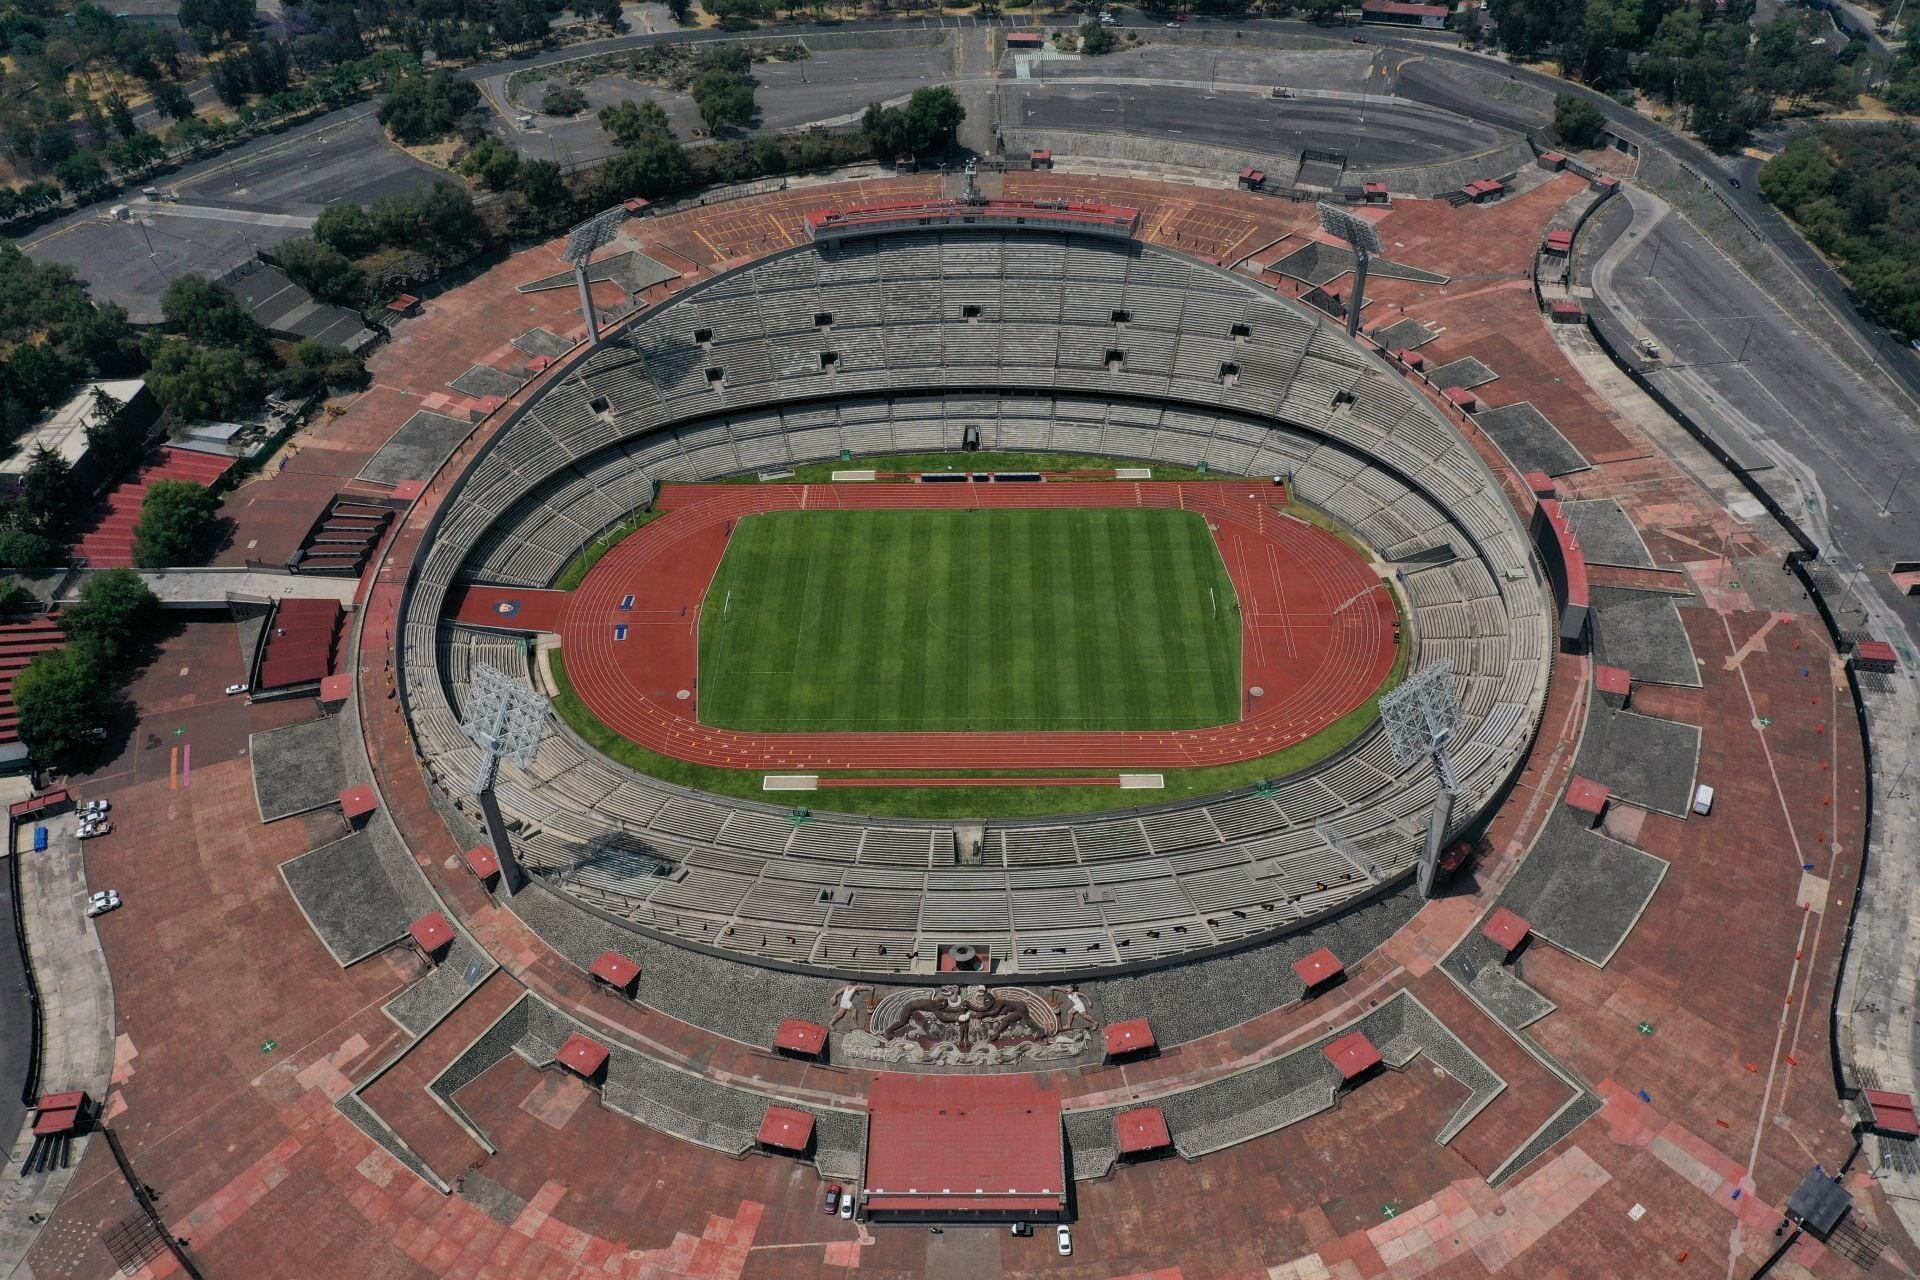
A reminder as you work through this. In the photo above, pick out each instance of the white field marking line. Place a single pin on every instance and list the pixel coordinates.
(1259, 645)
(1286, 614)
(1773, 1065)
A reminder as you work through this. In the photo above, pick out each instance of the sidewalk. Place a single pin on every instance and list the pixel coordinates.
(77, 1006)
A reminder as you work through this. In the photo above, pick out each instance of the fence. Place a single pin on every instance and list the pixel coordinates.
(30, 1087)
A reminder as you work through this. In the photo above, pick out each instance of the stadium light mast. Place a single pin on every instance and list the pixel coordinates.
(1359, 235)
(582, 243)
(504, 719)
(1421, 717)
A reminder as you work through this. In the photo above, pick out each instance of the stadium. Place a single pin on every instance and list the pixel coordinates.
(859, 722)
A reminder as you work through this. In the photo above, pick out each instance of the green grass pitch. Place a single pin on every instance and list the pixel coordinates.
(1037, 620)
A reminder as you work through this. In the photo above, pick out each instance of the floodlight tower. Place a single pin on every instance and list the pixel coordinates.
(1359, 235)
(1421, 717)
(503, 718)
(582, 243)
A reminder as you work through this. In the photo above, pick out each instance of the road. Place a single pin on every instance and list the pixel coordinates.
(1742, 368)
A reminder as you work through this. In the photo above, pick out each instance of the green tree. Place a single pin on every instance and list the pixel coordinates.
(1096, 38)
(112, 621)
(171, 99)
(682, 10)
(628, 122)
(222, 19)
(1576, 121)
(344, 227)
(323, 271)
(178, 520)
(492, 163)
(49, 495)
(422, 107)
(24, 549)
(563, 100)
(724, 98)
(657, 167)
(63, 702)
(196, 383)
(209, 315)
(81, 173)
(541, 183)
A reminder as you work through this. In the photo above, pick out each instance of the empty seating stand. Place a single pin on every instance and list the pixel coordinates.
(1015, 335)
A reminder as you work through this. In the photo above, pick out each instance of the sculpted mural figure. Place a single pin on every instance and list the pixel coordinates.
(964, 1026)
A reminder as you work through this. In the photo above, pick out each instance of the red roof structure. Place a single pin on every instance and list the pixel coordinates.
(785, 1129)
(358, 802)
(1317, 967)
(1461, 398)
(636, 206)
(1129, 1037)
(431, 933)
(482, 861)
(45, 802)
(583, 1056)
(1566, 312)
(1480, 188)
(1253, 177)
(1541, 484)
(949, 1146)
(1615, 680)
(1352, 1055)
(336, 689)
(1893, 1113)
(1506, 929)
(1404, 9)
(1025, 40)
(1040, 155)
(1560, 240)
(1373, 188)
(615, 970)
(1878, 651)
(60, 1113)
(1141, 1130)
(1095, 219)
(797, 1035)
(1551, 159)
(1587, 796)
(1411, 359)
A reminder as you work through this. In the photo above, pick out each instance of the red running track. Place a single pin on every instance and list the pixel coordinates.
(1320, 631)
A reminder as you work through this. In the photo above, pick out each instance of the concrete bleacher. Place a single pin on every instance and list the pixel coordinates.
(933, 333)
(1295, 1086)
(298, 768)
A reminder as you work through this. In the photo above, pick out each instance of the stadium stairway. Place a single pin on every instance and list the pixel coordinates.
(107, 543)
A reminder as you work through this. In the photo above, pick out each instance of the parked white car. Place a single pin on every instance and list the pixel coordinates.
(102, 902)
(88, 830)
(235, 688)
(92, 807)
(1064, 1234)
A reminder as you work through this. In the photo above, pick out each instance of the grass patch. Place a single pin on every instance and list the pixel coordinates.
(967, 802)
(1044, 620)
(582, 564)
(822, 472)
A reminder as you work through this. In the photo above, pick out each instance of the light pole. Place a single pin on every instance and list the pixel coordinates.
(582, 242)
(1359, 235)
(1420, 718)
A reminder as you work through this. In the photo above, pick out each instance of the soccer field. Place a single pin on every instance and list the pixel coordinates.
(1051, 619)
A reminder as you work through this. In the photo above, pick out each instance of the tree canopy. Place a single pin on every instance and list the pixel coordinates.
(63, 699)
(425, 106)
(1851, 190)
(178, 520)
(925, 125)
